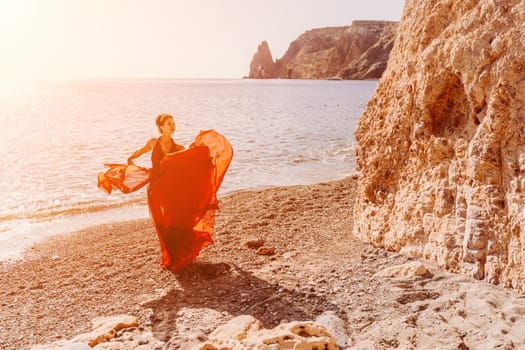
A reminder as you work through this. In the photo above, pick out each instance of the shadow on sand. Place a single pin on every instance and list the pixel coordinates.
(225, 288)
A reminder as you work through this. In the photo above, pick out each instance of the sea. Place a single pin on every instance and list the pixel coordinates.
(55, 137)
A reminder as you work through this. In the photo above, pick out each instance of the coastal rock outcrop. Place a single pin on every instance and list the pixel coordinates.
(262, 65)
(441, 145)
(358, 51)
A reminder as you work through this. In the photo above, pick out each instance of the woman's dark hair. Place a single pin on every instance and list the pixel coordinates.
(161, 118)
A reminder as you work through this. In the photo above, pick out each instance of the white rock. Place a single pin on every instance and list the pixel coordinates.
(105, 328)
(411, 269)
(336, 326)
(246, 332)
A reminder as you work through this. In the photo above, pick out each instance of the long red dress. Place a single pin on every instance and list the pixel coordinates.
(181, 194)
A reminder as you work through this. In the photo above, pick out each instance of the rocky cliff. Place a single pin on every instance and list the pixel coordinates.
(441, 145)
(359, 51)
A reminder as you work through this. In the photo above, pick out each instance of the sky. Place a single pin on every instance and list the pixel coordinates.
(91, 39)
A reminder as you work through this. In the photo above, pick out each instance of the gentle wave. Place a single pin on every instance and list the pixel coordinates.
(45, 214)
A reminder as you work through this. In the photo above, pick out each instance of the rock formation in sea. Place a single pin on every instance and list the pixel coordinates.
(262, 65)
(358, 51)
(441, 145)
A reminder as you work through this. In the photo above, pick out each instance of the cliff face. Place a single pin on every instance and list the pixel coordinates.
(366, 47)
(359, 51)
(441, 145)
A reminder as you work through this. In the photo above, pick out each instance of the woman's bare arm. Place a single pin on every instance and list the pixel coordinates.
(147, 147)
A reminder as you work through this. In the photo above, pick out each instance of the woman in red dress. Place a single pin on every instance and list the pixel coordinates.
(182, 189)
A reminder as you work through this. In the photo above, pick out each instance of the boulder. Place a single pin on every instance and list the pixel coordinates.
(246, 332)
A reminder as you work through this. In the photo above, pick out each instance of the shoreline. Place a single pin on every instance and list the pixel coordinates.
(67, 280)
(14, 242)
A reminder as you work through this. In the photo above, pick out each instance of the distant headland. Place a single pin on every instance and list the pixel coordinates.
(359, 51)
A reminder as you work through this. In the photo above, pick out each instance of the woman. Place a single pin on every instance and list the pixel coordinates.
(182, 189)
(164, 143)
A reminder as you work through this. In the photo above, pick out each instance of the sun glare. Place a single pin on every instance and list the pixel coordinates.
(15, 27)
(14, 17)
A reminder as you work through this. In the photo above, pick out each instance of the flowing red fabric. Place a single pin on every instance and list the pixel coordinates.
(181, 195)
(126, 178)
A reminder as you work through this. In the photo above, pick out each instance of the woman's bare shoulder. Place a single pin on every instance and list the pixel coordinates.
(151, 142)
